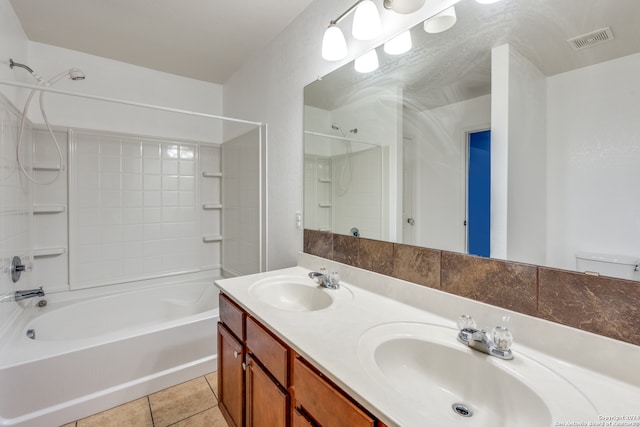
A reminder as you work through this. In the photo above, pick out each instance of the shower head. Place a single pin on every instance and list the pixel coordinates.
(73, 73)
(76, 74)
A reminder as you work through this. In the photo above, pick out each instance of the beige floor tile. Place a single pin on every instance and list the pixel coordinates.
(209, 418)
(212, 378)
(181, 401)
(135, 414)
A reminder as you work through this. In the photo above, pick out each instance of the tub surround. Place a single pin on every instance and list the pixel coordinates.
(329, 339)
(602, 305)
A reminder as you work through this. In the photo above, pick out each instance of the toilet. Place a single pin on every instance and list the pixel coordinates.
(620, 266)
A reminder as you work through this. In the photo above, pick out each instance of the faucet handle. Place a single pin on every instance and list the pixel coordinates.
(502, 338)
(334, 278)
(466, 322)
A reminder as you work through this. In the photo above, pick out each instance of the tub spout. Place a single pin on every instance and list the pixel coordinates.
(31, 293)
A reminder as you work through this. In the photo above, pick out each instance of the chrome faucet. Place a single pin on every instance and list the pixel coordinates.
(479, 340)
(31, 293)
(331, 281)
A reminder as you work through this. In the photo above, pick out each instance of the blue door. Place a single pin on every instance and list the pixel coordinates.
(479, 194)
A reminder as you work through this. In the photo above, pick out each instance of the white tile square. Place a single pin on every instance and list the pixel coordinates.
(112, 251)
(110, 198)
(187, 152)
(132, 198)
(111, 233)
(170, 230)
(151, 150)
(170, 151)
(170, 214)
(152, 215)
(89, 253)
(151, 166)
(131, 181)
(187, 168)
(169, 167)
(89, 236)
(152, 182)
(132, 232)
(110, 181)
(152, 198)
(109, 164)
(131, 165)
(88, 164)
(131, 149)
(186, 183)
(110, 146)
(88, 217)
(170, 182)
(152, 249)
(186, 198)
(169, 198)
(152, 231)
(187, 214)
(111, 216)
(89, 272)
(133, 216)
(88, 198)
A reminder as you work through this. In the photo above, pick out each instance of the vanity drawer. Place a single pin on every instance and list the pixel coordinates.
(231, 315)
(326, 404)
(268, 350)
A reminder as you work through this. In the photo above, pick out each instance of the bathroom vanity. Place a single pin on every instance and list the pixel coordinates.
(380, 351)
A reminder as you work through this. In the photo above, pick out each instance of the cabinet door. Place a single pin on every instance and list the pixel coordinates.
(266, 403)
(230, 377)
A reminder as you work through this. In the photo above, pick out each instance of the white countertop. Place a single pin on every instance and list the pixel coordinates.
(605, 372)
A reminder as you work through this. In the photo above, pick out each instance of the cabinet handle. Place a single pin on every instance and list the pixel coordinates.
(245, 365)
(236, 354)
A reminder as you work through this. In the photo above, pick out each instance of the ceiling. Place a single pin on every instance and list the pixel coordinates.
(456, 65)
(202, 39)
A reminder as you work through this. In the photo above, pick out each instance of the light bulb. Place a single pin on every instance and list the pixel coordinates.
(366, 21)
(367, 62)
(441, 22)
(487, 1)
(399, 44)
(334, 45)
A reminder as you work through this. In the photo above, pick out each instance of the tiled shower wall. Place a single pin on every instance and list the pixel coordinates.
(15, 207)
(602, 305)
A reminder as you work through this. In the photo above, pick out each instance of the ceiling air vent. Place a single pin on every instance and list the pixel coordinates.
(591, 39)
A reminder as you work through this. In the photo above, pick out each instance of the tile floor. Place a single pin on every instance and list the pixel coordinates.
(190, 404)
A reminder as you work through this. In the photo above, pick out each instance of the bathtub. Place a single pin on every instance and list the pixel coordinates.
(93, 350)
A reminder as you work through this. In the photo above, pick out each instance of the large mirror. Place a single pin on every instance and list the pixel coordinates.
(513, 134)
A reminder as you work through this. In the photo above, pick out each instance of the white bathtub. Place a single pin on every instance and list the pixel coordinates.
(92, 352)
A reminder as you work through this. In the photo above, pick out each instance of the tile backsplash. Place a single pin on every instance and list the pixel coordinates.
(602, 305)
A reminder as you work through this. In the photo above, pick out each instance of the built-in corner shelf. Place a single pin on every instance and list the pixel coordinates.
(324, 204)
(211, 206)
(48, 209)
(44, 166)
(212, 174)
(211, 238)
(37, 253)
(324, 179)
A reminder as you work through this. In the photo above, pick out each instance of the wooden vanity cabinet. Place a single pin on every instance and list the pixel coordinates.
(267, 404)
(262, 382)
(230, 362)
(321, 401)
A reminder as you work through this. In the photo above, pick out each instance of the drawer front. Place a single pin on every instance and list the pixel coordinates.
(231, 315)
(268, 350)
(327, 405)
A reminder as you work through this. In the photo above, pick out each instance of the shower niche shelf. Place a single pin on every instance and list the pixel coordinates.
(48, 209)
(212, 238)
(324, 204)
(325, 180)
(45, 166)
(44, 252)
(211, 206)
(212, 174)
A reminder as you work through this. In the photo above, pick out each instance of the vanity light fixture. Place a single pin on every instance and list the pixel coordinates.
(366, 26)
(334, 45)
(366, 21)
(442, 21)
(367, 63)
(403, 6)
(399, 44)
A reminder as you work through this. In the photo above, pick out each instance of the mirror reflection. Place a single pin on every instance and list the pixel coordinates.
(511, 134)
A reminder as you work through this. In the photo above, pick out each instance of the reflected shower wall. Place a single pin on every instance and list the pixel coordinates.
(344, 185)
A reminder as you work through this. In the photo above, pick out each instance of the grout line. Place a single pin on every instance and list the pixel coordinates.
(153, 422)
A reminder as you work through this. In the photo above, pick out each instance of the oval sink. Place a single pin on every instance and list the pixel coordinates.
(450, 383)
(293, 293)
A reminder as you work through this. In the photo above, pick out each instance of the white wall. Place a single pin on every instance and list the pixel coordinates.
(116, 79)
(594, 161)
(269, 88)
(15, 202)
(518, 158)
(439, 187)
